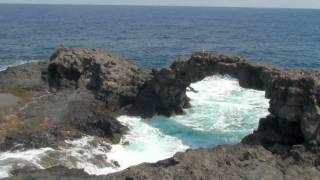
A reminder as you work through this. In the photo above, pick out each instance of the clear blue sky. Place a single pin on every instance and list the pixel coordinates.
(228, 3)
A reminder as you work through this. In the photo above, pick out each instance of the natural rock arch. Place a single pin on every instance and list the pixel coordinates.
(294, 95)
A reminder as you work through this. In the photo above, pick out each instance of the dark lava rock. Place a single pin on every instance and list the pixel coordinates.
(52, 118)
(225, 162)
(31, 138)
(294, 94)
(25, 76)
(88, 86)
(114, 80)
(77, 108)
(55, 173)
(164, 94)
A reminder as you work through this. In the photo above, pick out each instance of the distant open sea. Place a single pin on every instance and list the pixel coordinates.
(154, 36)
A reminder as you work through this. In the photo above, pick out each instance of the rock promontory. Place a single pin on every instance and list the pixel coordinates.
(294, 94)
(77, 92)
(89, 88)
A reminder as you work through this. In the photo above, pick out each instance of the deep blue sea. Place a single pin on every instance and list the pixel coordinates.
(155, 36)
(222, 112)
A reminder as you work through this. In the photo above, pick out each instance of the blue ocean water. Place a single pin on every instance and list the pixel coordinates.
(155, 36)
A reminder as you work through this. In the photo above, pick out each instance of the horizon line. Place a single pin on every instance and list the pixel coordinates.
(146, 5)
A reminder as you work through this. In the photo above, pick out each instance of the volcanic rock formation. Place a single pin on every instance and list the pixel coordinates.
(294, 94)
(90, 88)
(113, 80)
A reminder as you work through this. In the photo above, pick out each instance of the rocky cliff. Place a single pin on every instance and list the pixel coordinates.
(285, 145)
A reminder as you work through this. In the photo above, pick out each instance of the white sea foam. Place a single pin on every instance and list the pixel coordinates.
(143, 143)
(17, 63)
(220, 104)
(220, 108)
(30, 157)
(146, 144)
(222, 112)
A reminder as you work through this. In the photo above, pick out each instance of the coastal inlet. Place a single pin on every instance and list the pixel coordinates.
(221, 113)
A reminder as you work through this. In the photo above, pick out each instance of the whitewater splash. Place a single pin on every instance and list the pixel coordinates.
(10, 160)
(5, 66)
(143, 143)
(222, 112)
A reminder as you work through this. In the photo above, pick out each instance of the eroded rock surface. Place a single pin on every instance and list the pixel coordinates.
(26, 76)
(294, 94)
(113, 80)
(88, 88)
(225, 162)
(48, 120)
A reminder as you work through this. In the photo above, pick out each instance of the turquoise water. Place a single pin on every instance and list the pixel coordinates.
(222, 113)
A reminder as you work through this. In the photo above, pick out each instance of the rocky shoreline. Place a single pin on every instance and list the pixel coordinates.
(82, 91)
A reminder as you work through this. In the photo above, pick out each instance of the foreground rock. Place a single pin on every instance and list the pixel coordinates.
(89, 88)
(55, 173)
(49, 120)
(228, 162)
